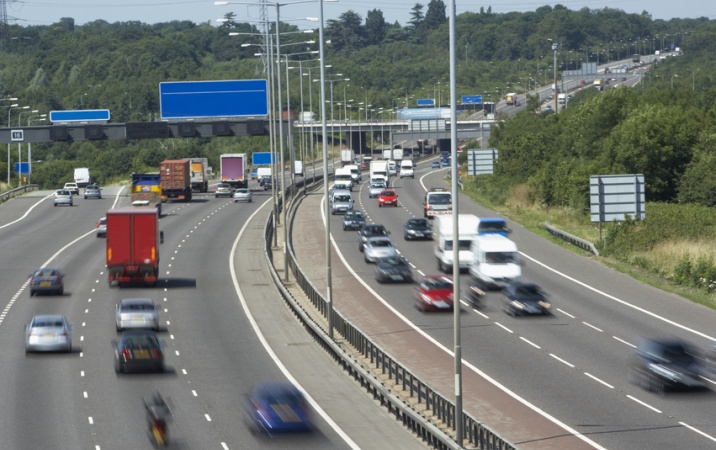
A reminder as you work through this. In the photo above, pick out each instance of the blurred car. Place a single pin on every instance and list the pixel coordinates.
(375, 189)
(388, 197)
(72, 187)
(353, 220)
(47, 280)
(254, 174)
(548, 108)
(368, 231)
(223, 190)
(138, 350)
(63, 197)
(434, 293)
(446, 163)
(242, 195)
(93, 191)
(268, 183)
(378, 247)
(393, 269)
(523, 298)
(665, 364)
(417, 228)
(278, 407)
(48, 333)
(475, 292)
(581, 81)
(101, 229)
(136, 313)
(435, 165)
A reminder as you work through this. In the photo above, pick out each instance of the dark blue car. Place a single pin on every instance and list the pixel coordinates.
(278, 407)
(353, 220)
(446, 163)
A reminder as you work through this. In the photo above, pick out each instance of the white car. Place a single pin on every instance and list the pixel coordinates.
(377, 248)
(48, 333)
(72, 187)
(63, 197)
(137, 313)
(242, 195)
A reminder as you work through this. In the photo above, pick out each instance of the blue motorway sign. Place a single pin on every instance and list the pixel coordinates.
(425, 102)
(222, 98)
(471, 99)
(23, 168)
(263, 158)
(80, 115)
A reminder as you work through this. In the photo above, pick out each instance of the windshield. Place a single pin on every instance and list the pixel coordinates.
(436, 283)
(354, 214)
(342, 198)
(440, 199)
(492, 227)
(383, 243)
(501, 257)
(464, 245)
(418, 223)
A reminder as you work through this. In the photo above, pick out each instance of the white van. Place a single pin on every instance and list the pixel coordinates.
(406, 168)
(495, 260)
(263, 172)
(343, 178)
(341, 201)
(356, 174)
(298, 168)
(82, 177)
(467, 225)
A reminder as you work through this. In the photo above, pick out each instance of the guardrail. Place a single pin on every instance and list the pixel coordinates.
(572, 239)
(431, 402)
(18, 191)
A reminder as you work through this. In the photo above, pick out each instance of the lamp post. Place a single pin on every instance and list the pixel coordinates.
(19, 144)
(554, 86)
(40, 118)
(9, 111)
(672, 79)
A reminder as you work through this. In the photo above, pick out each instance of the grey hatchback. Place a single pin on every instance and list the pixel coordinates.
(93, 191)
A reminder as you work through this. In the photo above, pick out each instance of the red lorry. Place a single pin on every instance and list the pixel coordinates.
(175, 179)
(133, 239)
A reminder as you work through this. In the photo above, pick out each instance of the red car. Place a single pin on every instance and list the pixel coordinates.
(388, 197)
(434, 293)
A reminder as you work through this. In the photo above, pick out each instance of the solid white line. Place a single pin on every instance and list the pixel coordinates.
(472, 367)
(561, 360)
(618, 300)
(267, 347)
(708, 436)
(600, 381)
(644, 404)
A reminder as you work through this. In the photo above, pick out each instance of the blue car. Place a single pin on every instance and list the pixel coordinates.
(446, 163)
(278, 407)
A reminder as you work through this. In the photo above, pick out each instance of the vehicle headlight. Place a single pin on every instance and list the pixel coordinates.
(517, 304)
(664, 372)
(544, 305)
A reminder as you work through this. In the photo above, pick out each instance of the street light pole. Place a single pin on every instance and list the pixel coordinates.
(9, 110)
(19, 145)
(554, 86)
(40, 118)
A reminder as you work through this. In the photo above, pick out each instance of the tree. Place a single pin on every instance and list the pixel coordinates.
(435, 16)
(375, 27)
(346, 33)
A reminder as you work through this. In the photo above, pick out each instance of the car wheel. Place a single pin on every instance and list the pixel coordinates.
(32, 293)
(360, 248)
(365, 258)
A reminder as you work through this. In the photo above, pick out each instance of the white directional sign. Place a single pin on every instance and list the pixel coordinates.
(17, 135)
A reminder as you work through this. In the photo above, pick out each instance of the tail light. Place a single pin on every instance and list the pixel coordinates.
(126, 354)
(58, 281)
(156, 354)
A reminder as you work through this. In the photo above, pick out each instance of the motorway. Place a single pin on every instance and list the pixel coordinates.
(571, 366)
(214, 352)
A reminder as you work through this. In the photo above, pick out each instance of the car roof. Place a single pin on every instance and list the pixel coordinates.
(48, 317)
(137, 300)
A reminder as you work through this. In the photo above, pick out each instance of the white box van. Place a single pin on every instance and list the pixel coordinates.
(82, 177)
(406, 168)
(495, 260)
(298, 168)
(343, 178)
(467, 226)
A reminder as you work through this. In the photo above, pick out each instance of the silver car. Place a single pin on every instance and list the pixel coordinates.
(242, 195)
(223, 190)
(93, 191)
(375, 189)
(341, 201)
(48, 333)
(377, 248)
(63, 197)
(102, 227)
(136, 313)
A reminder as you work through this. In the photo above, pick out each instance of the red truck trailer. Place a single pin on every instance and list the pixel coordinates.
(133, 239)
(175, 179)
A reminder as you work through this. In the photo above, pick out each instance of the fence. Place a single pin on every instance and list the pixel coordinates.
(430, 402)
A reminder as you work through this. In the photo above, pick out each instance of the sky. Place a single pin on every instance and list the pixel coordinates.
(47, 12)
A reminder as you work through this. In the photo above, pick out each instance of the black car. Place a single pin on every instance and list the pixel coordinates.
(353, 220)
(474, 292)
(417, 228)
(525, 299)
(663, 364)
(393, 269)
(369, 231)
(138, 351)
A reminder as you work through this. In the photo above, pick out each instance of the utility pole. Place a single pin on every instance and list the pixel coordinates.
(554, 86)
